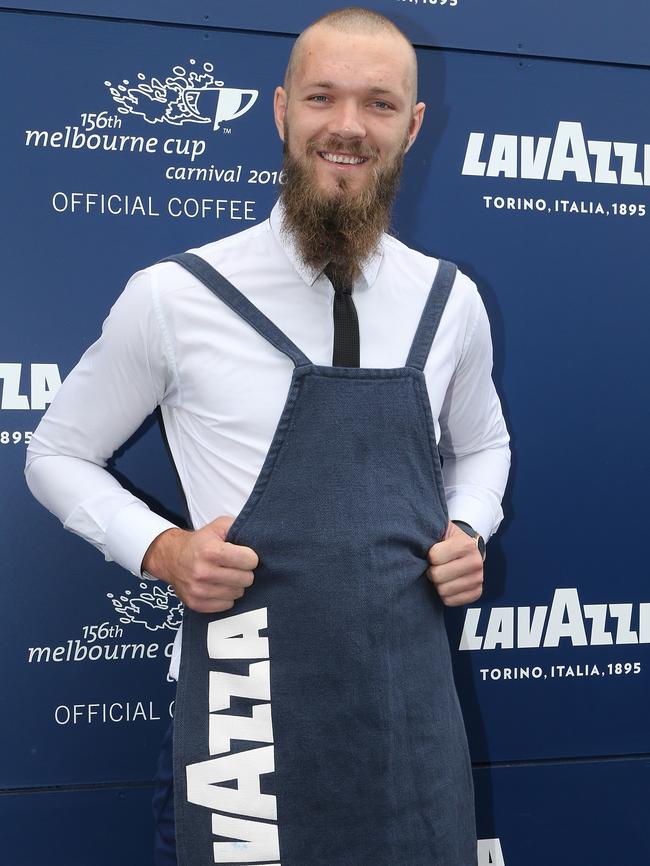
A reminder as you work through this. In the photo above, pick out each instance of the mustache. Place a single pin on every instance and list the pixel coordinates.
(354, 147)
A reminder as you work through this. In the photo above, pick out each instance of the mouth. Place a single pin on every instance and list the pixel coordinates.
(347, 159)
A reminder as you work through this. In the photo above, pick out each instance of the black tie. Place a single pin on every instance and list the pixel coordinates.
(346, 323)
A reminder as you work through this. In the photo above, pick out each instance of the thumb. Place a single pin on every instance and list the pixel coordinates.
(221, 525)
(246, 557)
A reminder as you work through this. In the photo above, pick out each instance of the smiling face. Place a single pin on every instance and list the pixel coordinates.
(347, 115)
(349, 107)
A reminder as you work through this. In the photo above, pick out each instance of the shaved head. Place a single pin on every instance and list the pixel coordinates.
(355, 20)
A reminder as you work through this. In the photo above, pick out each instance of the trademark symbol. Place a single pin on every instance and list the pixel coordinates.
(226, 130)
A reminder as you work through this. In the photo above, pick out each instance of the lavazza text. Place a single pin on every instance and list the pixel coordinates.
(567, 153)
(622, 623)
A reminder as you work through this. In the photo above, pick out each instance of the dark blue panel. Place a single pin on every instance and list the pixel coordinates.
(62, 272)
(564, 814)
(611, 32)
(77, 828)
(569, 310)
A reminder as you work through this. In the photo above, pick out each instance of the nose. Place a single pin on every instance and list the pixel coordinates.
(346, 121)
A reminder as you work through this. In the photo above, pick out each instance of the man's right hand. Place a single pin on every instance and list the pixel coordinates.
(207, 572)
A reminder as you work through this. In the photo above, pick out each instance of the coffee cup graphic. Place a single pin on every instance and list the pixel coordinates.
(232, 102)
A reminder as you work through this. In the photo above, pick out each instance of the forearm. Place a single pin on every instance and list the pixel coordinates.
(474, 441)
(474, 486)
(91, 503)
(117, 383)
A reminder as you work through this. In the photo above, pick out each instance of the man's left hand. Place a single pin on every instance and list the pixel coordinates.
(456, 568)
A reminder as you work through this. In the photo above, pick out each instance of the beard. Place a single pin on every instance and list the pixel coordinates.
(341, 227)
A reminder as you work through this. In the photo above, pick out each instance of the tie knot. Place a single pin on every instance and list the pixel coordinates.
(341, 283)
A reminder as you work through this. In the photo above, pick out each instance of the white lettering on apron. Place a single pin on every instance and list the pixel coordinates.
(237, 637)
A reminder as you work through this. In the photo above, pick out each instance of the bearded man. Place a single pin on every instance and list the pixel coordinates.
(311, 371)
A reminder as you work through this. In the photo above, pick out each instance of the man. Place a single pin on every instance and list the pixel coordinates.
(325, 692)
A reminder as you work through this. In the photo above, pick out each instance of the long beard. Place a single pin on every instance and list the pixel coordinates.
(341, 227)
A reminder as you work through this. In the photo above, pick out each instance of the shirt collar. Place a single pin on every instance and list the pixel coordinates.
(309, 274)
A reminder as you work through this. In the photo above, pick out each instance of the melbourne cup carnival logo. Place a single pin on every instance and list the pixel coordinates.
(183, 97)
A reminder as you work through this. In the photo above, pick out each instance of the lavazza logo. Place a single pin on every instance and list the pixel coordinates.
(24, 387)
(566, 621)
(568, 154)
(490, 853)
(242, 812)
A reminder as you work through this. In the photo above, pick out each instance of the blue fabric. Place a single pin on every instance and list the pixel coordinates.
(163, 806)
(370, 761)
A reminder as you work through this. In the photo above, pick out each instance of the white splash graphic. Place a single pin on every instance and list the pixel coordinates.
(183, 97)
(156, 609)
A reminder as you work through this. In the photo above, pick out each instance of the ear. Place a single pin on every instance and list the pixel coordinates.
(416, 122)
(280, 109)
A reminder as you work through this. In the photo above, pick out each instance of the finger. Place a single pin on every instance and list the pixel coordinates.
(452, 548)
(233, 578)
(456, 568)
(231, 555)
(220, 592)
(463, 598)
(221, 525)
(211, 598)
(237, 556)
(210, 606)
(461, 584)
(204, 595)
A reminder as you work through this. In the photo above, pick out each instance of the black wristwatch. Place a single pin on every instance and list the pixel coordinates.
(478, 538)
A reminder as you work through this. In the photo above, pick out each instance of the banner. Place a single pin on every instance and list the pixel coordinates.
(125, 141)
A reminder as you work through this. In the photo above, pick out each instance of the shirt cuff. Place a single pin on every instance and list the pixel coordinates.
(130, 533)
(476, 513)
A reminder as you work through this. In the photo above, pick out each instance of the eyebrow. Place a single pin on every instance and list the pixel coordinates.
(329, 85)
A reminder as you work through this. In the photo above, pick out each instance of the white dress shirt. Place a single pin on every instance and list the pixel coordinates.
(222, 387)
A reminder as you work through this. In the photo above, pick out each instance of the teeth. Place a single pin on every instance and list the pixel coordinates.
(347, 160)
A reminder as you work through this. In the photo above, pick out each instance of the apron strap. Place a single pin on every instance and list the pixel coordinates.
(239, 304)
(431, 315)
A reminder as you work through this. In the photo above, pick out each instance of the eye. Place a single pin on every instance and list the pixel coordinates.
(382, 106)
(318, 98)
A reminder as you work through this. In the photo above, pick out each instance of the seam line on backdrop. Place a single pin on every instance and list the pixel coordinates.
(89, 786)
(535, 762)
(101, 786)
(206, 26)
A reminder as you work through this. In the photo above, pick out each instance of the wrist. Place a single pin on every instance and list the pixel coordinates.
(478, 538)
(159, 553)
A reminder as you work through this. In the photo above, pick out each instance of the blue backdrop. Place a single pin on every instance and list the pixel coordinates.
(532, 172)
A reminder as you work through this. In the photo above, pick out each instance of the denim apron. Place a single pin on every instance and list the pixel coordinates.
(317, 722)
